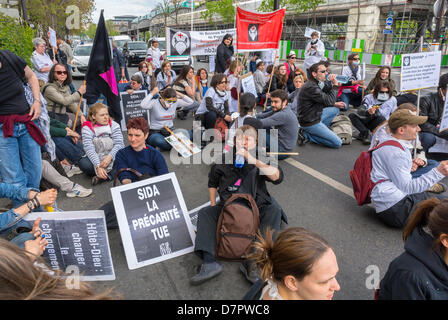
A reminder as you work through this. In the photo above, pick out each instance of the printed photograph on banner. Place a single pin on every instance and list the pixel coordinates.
(153, 220)
(183, 145)
(77, 239)
(180, 42)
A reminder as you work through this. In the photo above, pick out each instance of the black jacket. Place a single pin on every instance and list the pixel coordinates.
(275, 84)
(312, 100)
(432, 106)
(420, 273)
(223, 53)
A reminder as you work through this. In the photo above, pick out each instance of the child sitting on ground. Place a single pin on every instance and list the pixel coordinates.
(102, 138)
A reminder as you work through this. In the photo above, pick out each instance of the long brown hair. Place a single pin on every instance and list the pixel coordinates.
(21, 279)
(294, 252)
(378, 74)
(432, 213)
(281, 80)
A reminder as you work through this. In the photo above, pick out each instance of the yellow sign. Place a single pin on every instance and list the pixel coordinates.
(356, 50)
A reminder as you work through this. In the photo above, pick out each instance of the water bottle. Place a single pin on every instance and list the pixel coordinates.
(239, 161)
(342, 79)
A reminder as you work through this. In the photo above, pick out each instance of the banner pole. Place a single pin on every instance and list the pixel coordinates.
(418, 102)
(79, 107)
(270, 82)
(178, 139)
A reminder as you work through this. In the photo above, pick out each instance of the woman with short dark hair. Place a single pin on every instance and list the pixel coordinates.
(224, 54)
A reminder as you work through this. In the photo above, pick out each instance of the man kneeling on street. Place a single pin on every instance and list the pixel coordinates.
(395, 192)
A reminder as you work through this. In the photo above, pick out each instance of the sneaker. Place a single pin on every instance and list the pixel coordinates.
(301, 138)
(437, 188)
(249, 269)
(364, 138)
(206, 272)
(79, 191)
(71, 170)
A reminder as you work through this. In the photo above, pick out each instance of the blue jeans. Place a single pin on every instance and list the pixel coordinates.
(422, 170)
(22, 238)
(428, 140)
(158, 140)
(328, 114)
(354, 98)
(20, 159)
(66, 149)
(319, 133)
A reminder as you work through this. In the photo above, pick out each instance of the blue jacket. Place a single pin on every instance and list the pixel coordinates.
(14, 193)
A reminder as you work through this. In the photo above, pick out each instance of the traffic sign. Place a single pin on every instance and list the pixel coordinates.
(386, 31)
(389, 21)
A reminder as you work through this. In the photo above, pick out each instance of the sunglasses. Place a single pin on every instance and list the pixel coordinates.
(222, 82)
(323, 71)
(171, 100)
(60, 72)
(356, 59)
(384, 91)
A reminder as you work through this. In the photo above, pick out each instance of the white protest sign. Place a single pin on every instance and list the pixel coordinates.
(309, 31)
(444, 122)
(248, 84)
(182, 144)
(268, 57)
(77, 238)
(196, 43)
(420, 70)
(441, 146)
(211, 64)
(52, 37)
(153, 219)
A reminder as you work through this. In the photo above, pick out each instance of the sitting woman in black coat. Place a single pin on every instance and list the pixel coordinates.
(226, 179)
(421, 272)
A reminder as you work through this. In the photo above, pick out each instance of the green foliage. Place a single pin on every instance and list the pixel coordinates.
(91, 31)
(298, 6)
(110, 29)
(16, 38)
(223, 8)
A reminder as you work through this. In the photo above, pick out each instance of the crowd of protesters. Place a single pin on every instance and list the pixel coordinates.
(39, 126)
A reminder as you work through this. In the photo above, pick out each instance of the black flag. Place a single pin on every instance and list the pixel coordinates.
(100, 75)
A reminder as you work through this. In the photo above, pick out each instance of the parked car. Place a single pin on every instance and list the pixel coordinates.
(81, 56)
(134, 52)
(121, 40)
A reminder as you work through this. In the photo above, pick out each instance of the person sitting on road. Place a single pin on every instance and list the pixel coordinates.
(25, 276)
(432, 106)
(226, 179)
(259, 79)
(166, 76)
(101, 138)
(201, 80)
(247, 107)
(144, 73)
(215, 103)
(283, 119)
(41, 61)
(352, 94)
(421, 164)
(293, 97)
(162, 112)
(138, 155)
(279, 80)
(421, 271)
(383, 74)
(396, 192)
(186, 85)
(135, 85)
(376, 108)
(235, 69)
(317, 100)
(297, 265)
(11, 223)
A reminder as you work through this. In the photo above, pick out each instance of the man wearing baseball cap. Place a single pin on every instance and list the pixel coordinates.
(396, 193)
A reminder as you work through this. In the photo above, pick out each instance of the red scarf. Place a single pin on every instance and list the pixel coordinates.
(8, 122)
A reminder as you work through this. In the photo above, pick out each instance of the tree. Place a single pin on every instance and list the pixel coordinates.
(52, 13)
(111, 28)
(164, 9)
(298, 6)
(223, 8)
(91, 31)
(176, 5)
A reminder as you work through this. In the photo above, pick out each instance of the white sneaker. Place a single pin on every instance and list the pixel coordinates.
(71, 170)
(79, 191)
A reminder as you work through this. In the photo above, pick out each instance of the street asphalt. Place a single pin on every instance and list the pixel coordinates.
(358, 238)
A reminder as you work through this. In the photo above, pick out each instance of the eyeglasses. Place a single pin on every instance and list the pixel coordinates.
(323, 71)
(225, 81)
(356, 59)
(60, 72)
(384, 91)
(293, 58)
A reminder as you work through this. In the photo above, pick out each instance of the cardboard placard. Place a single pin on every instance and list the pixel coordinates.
(420, 70)
(153, 219)
(181, 147)
(248, 83)
(77, 238)
(131, 106)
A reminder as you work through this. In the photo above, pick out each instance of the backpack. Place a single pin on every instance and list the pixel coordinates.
(342, 127)
(360, 175)
(238, 223)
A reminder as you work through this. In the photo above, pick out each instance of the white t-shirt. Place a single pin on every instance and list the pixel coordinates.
(314, 56)
(218, 101)
(41, 61)
(155, 54)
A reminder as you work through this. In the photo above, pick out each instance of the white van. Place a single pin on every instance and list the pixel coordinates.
(121, 40)
(177, 62)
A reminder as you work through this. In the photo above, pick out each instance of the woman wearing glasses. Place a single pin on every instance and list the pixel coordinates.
(216, 102)
(375, 109)
(352, 94)
(290, 70)
(162, 112)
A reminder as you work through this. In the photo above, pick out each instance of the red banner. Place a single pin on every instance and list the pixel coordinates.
(257, 31)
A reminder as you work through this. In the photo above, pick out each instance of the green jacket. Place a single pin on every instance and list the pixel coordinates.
(59, 98)
(57, 128)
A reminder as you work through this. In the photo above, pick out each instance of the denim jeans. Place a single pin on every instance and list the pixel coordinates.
(158, 140)
(328, 114)
(353, 98)
(319, 133)
(20, 159)
(22, 238)
(422, 170)
(66, 149)
(428, 140)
